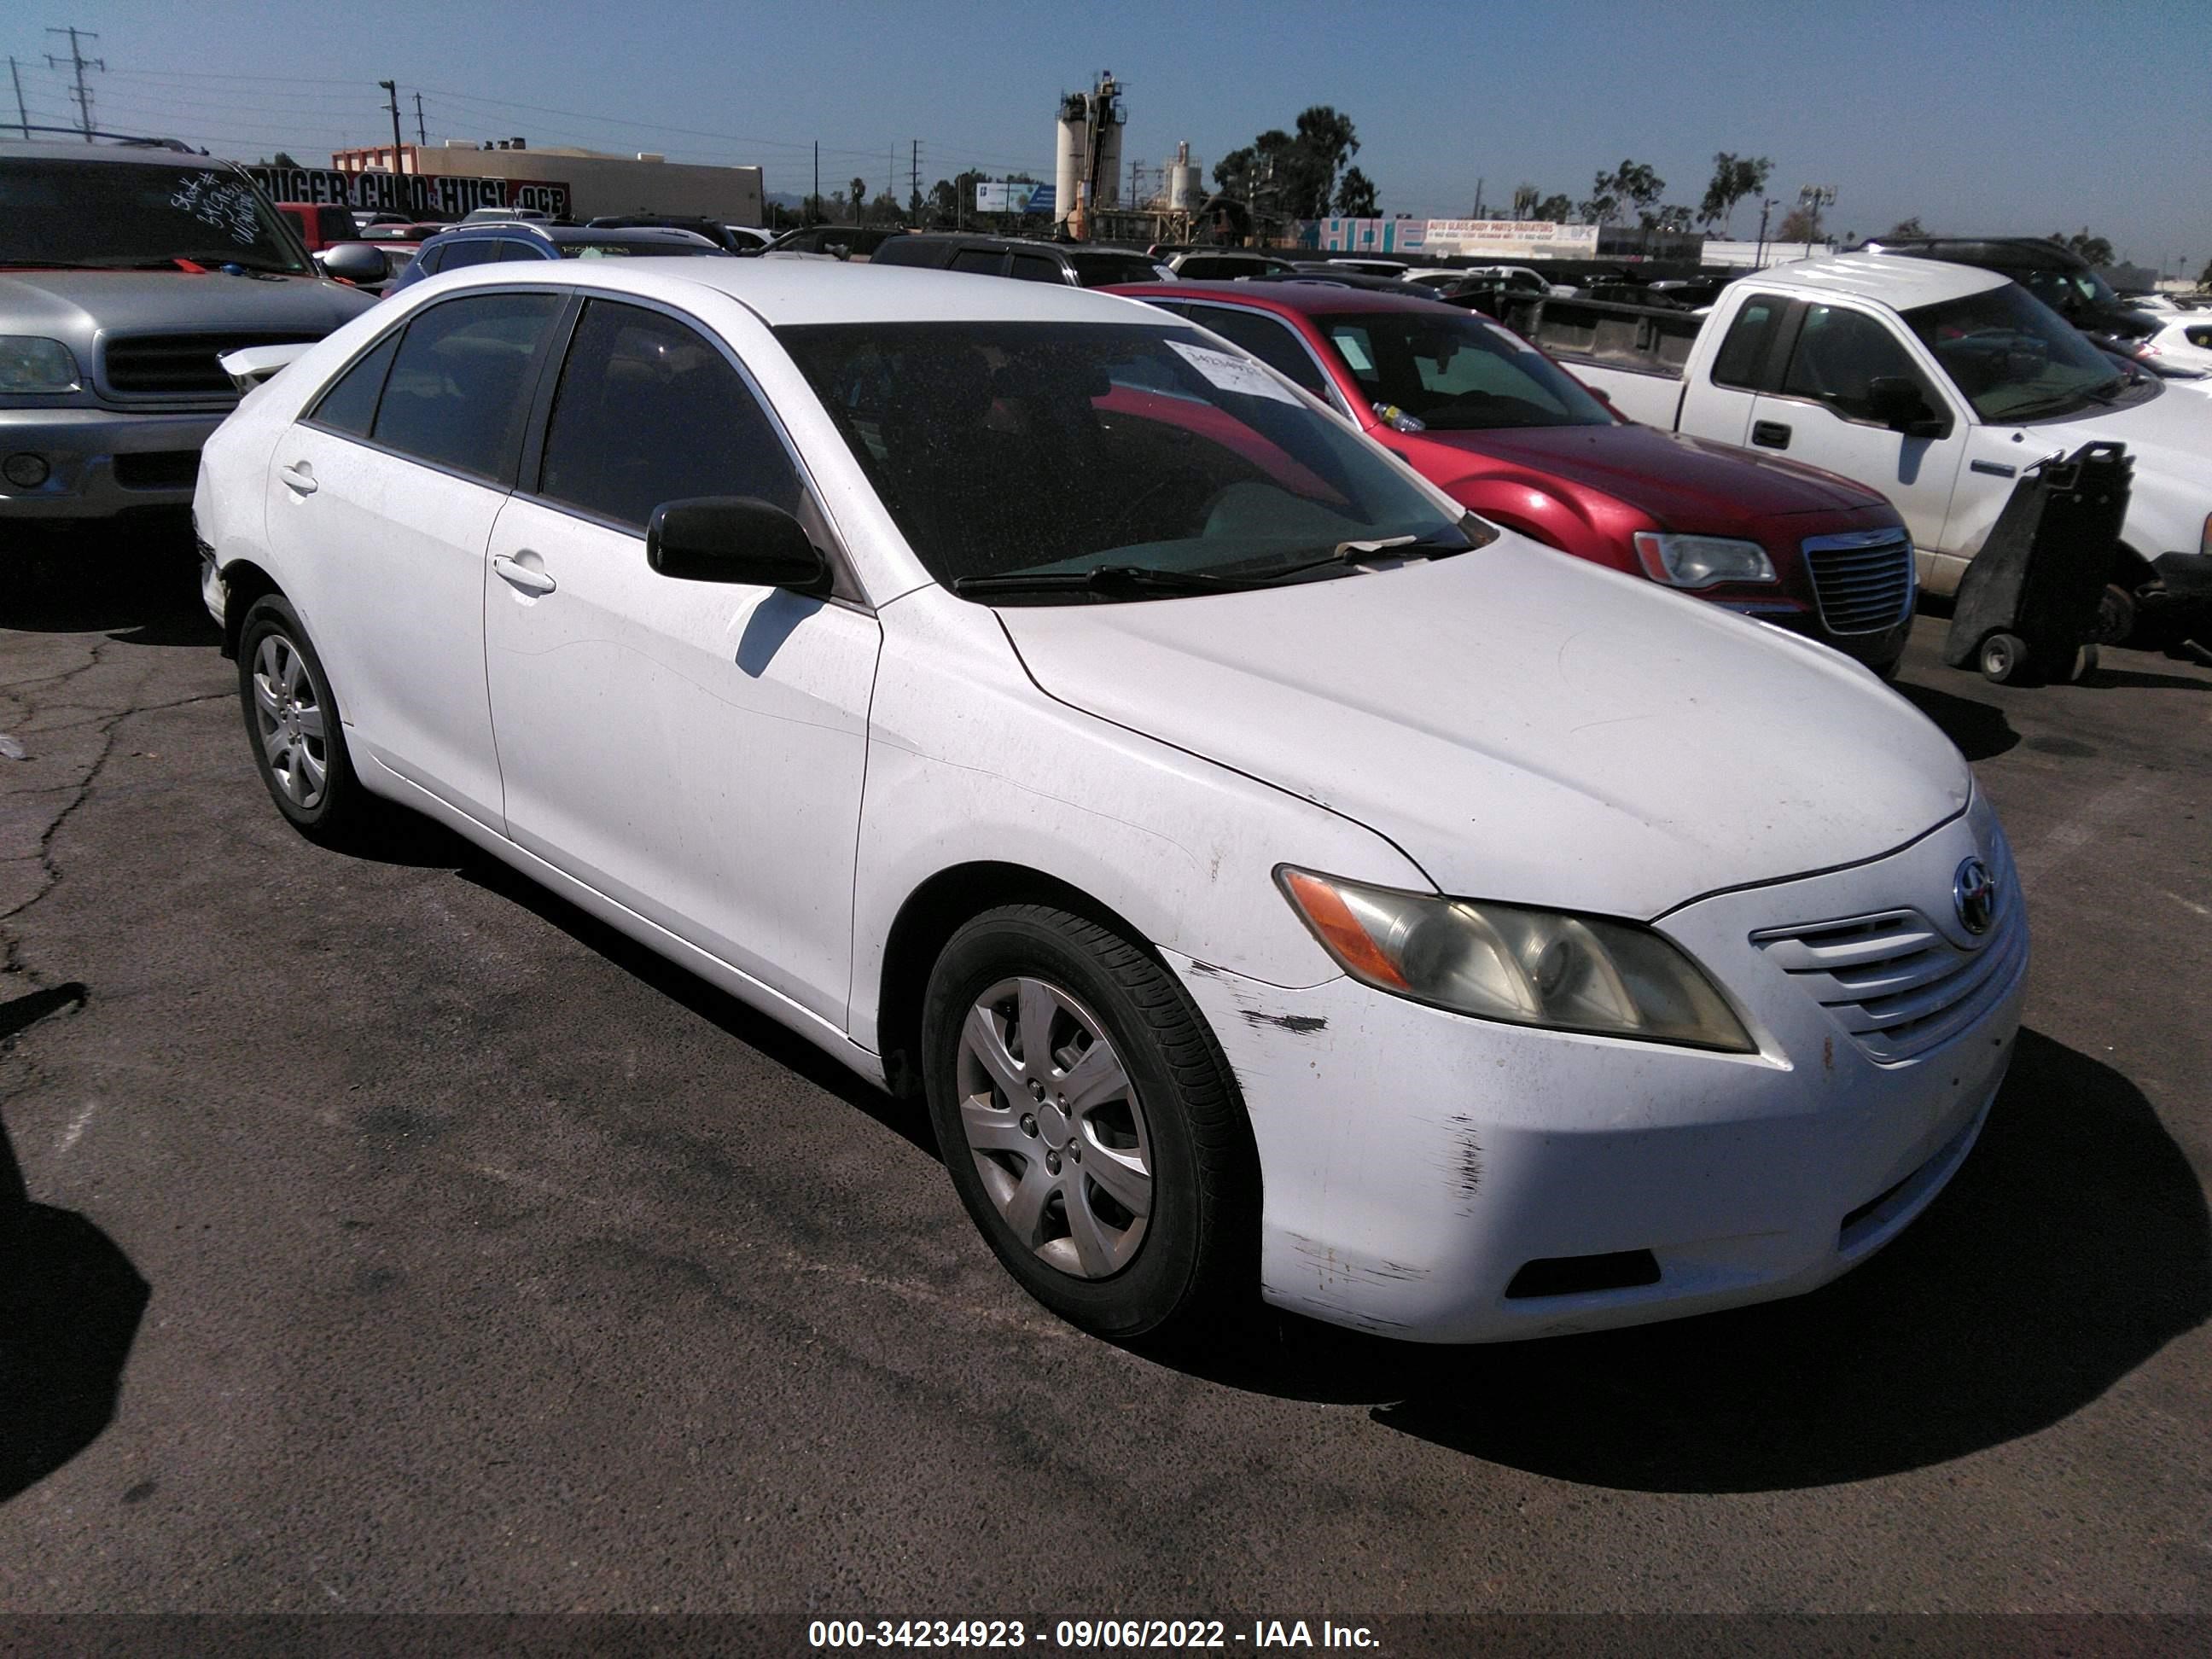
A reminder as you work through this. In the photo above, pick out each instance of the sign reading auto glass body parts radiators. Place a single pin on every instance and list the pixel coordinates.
(1505, 239)
(442, 195)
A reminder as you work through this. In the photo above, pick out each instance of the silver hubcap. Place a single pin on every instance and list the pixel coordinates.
(288, 717)
(1054, 1127)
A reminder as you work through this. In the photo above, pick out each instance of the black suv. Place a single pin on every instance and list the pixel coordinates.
(2057, 276)
(1076, 264)
(833, 241)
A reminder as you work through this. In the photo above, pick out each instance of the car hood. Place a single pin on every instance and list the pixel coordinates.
(1685, 483)
(2164, 433)
(74, 305)
(1527, 726)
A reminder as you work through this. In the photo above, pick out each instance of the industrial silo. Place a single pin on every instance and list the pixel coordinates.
(1185, 189)
(1068, 152)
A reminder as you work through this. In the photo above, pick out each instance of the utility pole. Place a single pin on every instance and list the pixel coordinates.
(421, 139)
(392, 88)
(23, 115)
(1758, 256)
(915, 159)
(79, 62)
(1479, 181)
(814, 203)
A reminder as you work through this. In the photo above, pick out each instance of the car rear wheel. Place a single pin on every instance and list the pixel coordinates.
(1090, 1123)
(299, 742)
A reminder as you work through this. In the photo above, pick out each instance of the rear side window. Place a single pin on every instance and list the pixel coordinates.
(2198, 336)
(648, 411)
(1838, 356)
(1271, 342)
(335, 224)
(350, 405)
(1033, 268)
(983, 261)
(461, 383)
(1748, 338)
(478, 251)
(511, 249)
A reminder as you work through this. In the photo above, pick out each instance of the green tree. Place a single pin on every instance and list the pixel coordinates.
(1556, 208)
(1797, 227)
(857, 194)
(1355, 195)
(884, 210)
(1292, 175)
(1603, 201)
(2095, 249)
(1640, 188)
(1911, 227)
(1734, 177)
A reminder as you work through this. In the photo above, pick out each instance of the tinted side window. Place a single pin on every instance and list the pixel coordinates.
(648, 411)
(461, 383)
(1271, 342)
(2198, 337)
(982, 260)
(481, 250)
(512, 248)
(1838, 356)
(350, 404)
(432, 260)
(1745, 349)
(1034, 268)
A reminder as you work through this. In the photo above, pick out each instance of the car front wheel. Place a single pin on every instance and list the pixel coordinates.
(299, 742)
(1090, 1124)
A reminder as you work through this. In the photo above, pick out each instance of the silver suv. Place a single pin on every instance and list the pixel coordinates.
(124, 275)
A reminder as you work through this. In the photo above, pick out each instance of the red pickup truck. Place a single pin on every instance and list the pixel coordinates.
(1478, 411)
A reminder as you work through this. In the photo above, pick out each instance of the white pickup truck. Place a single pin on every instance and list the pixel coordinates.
(1935, 384)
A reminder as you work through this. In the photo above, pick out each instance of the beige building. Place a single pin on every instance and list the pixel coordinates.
(599, 182)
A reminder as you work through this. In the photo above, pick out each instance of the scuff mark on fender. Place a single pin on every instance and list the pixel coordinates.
(1297, 1024)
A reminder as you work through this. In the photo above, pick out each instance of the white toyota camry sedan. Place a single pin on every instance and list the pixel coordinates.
(1272, 877)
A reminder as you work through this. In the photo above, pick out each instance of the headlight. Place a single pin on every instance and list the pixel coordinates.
(1523, 966)
(29, 363)
(1702, 561)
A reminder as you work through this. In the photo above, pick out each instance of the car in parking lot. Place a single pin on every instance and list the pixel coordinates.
(2182, 339)
(1481, 413)
(732, 238)
(494, 242)
(1073, 265)
(124, 274)
(1271, 875)
(840, 242)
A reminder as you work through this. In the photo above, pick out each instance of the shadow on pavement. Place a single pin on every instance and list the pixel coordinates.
(2072, 1246)
(137, 580)
(905, 1119)
(70, 1305)
(1980, 729)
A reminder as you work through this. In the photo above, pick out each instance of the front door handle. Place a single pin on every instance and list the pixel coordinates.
(1769, 434)
(299, 478)
(520, 576)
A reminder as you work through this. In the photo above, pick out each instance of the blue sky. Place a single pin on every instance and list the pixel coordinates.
(2021, 117)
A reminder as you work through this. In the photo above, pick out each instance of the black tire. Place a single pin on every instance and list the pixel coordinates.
(339, 811)
(2004, 660)
(1197, 1259)
(2116, 616)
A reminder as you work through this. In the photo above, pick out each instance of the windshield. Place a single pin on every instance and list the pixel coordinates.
(1051, 447)
(1098, 269)
(2062, 289)
(613, 250)
(121, 215)
(2014, 357)
(1459, 374)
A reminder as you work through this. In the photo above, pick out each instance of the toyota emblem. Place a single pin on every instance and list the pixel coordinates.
(1974, 891)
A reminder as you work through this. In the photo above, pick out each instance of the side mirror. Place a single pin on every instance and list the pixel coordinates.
(1897, 403)
(734, 539)
(359, 263)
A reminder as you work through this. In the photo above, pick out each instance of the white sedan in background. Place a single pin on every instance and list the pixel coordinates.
(1273, 878)
(2184, 339)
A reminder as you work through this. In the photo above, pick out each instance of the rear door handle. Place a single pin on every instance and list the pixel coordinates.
(299, 478)
(516, 574)
(1769, 434)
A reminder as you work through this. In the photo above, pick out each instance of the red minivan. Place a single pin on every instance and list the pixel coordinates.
(1477, 410)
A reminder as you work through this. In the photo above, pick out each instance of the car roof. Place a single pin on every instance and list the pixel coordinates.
(153, 154)
(560, 236)
(1900, 284)
(1295, 299)
(787, 293)
(2034, 253)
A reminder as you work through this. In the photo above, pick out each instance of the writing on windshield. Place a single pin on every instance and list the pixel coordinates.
(121, 215)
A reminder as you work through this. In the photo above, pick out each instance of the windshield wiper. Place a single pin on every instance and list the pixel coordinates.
(1101, 578)
(1439, 545)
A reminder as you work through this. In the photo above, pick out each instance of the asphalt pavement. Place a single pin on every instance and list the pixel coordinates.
(382, 1234)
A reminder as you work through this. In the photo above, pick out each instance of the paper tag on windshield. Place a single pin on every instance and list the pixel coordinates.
(1234, 373)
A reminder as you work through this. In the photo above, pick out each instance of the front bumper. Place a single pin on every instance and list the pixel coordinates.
(102, 461)
(1414, 1162)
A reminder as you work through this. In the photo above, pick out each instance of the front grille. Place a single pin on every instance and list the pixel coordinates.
(158, 469)
(1863, 581)
(177, 365)
(1899, 985)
